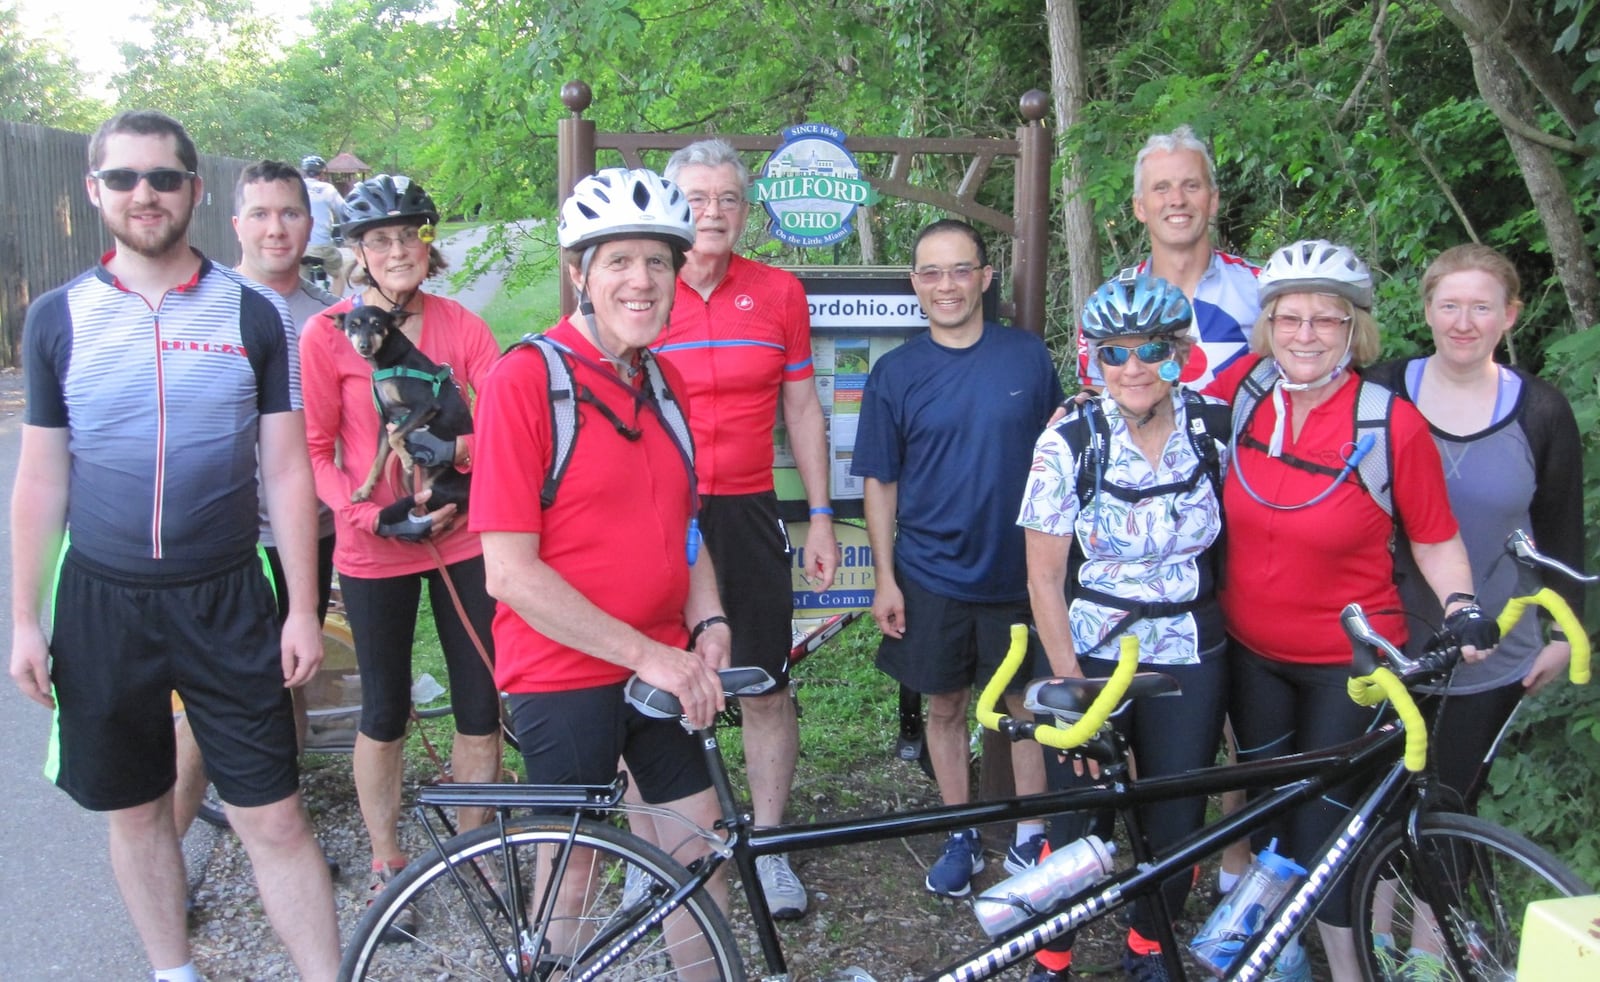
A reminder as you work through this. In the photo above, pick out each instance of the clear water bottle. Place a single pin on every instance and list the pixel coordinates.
(1245, 908)
(1052, 879)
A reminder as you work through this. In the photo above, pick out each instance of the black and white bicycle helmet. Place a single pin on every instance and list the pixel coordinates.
(1127, 306)
(312, 165)
(618, 203)
(1316, 266)
(384, 200)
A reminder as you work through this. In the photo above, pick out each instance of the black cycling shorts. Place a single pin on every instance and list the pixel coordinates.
(750, 549)
(123, 644)
(577, 737)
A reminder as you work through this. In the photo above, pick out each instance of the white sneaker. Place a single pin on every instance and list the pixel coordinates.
(786, 896)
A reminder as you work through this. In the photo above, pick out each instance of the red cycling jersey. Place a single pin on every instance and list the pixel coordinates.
(734, 349)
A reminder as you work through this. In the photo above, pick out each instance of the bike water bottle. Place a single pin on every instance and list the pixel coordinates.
(1245, 908)
(1034, 890)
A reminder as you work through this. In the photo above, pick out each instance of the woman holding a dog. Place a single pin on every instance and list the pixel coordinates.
(392, 542)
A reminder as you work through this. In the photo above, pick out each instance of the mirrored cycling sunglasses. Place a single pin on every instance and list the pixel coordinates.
(1151, 352)
(162, 179)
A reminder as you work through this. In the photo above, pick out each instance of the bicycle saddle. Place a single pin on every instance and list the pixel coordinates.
(1068, 698)
(661, 704)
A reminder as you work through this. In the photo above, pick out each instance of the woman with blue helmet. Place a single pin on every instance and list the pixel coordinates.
(1121, 512)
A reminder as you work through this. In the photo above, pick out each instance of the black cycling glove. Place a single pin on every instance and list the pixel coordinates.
(1471, 626)
(397, 522)
(428, 450)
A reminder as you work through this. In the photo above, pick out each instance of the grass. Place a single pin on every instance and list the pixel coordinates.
(529, 299)
(849, 710)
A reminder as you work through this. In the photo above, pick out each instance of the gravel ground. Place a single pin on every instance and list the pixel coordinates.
(868, 908)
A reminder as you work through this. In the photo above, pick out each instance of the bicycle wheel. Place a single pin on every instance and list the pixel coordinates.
(485, 910)
(1489, 874)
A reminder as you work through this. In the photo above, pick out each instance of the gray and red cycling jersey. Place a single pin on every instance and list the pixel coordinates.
(162, 405)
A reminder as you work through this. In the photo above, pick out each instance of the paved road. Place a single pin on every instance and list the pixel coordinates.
(477, 294)
(60, 915)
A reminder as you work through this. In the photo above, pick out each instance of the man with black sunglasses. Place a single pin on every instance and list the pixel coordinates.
(155, 382)
(948, 423)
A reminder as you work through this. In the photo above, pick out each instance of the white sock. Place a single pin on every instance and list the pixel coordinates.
(1027, 830)
(1226, 881)
(183, 973)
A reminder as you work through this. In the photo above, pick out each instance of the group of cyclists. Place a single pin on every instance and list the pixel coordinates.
(1224, 529)
(1228, 544)
(1124, 534)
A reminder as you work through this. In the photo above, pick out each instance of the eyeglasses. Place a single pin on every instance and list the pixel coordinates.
(1322, 323)
(162, 179)
(384, 243)
(960, 274)
(725, 202)
(1151, 352)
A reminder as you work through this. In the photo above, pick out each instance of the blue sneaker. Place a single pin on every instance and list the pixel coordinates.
(1025, 856)
(952, 875)
(1144, 968)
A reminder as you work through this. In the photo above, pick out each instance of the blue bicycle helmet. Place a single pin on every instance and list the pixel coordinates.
(313, 165)
(1134, 306)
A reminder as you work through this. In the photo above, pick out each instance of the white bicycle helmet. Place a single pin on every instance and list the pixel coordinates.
(1135, 305)
(1316, 266)
(617, 203)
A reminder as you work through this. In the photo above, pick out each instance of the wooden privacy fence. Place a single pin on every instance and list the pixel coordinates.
(49, 232)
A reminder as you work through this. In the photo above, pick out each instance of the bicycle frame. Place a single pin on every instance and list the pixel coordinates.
(1291, 780)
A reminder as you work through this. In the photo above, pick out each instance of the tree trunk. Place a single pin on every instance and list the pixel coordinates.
(1505, 91)
(1067, 94)
(1510, 25)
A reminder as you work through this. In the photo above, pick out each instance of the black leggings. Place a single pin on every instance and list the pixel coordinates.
(1169, 735)
(1462, 728)
(383, 622)
(1280, 708)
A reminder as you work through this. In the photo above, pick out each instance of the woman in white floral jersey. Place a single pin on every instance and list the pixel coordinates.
(1121, 512)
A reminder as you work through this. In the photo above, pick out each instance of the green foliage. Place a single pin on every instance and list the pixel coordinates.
(1546, 780)
(39, 82)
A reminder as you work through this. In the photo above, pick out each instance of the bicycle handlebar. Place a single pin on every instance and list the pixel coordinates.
(1371, 683)
(1048, 734)
(1561, 611)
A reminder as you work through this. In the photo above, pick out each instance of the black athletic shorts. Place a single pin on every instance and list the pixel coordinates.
(750, 548)
(577, 737)
(121, 646)
(950, 644)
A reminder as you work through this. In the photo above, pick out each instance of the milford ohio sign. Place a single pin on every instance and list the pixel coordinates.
(811, 187)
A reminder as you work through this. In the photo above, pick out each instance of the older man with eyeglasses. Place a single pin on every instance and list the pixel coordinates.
(741, 335)
(948, 423)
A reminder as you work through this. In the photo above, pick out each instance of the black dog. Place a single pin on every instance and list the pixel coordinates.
(412, 393)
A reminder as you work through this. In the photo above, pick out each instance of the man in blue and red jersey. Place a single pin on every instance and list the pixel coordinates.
(156, 381)
(1175, 198)
(741, 336)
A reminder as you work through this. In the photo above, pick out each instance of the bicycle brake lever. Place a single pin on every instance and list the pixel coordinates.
(1520, 545)
(1367, 645)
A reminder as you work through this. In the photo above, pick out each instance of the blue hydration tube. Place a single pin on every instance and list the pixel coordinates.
(1363, 447)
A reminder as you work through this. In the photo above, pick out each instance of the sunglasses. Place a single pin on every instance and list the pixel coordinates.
(162, 179)
(1150, 353)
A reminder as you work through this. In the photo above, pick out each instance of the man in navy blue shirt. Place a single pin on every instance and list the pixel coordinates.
(948, 424)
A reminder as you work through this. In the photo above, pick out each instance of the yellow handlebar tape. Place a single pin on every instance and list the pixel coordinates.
(1577, 637)
(1094, 717)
